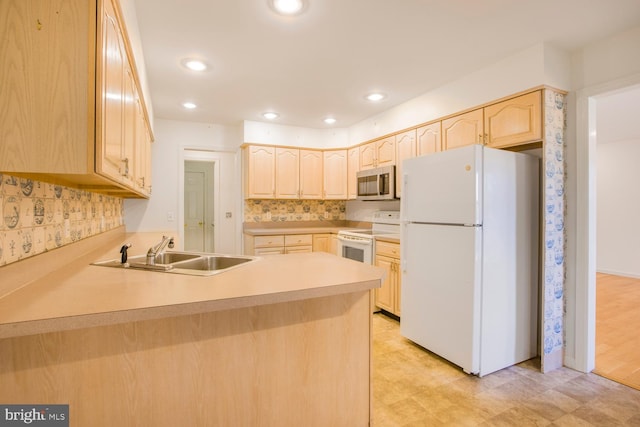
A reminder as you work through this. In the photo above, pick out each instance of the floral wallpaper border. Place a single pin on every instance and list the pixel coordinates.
(36, 217)
(265, 210)
(555, 239)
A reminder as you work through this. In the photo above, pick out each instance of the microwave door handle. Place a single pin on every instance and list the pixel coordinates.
(379, 183)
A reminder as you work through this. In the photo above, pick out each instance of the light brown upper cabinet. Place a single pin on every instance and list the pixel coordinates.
(463, 129)
(143, 151)
(68, 105)
(514, 122)
(405, 149)
(260, 172)
(287, 173)
(335, 175)
(311, 174)
(283, 172)
(378, 153)
(353, 166)
(429, 139)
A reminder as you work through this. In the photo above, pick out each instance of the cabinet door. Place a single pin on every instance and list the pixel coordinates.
(260, 172)
(335, 174)
(368, 156)
(464, 129)
(429, 139)
(129, 124)
(322, 242)
(310, 174)
(143, 151)
(386, 151)
(333, 246)
(268, 251)
(384, 296)
(515, 121)
(353, 166)
(298, 250)
(398, 289)
(405, 149)
(287, 173)
(109, 153)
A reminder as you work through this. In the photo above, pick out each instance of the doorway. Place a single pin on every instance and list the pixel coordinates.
(581, 307)
(199, 218)
(617, 237)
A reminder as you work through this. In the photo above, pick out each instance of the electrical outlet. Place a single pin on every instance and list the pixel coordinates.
(228, 214)
(170, 216)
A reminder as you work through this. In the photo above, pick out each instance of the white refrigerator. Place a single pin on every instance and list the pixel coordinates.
(469, 256)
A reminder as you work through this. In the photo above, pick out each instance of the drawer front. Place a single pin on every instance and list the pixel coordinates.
(269, 251)
(298, 249)
(388, 249)
(268, 241)
(298, 239)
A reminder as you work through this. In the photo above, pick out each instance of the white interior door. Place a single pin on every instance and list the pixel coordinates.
(198, 206)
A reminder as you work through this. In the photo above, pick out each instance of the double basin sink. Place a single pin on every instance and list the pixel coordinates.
(191, 263)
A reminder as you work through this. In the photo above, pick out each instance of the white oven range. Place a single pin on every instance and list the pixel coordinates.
(359, 245)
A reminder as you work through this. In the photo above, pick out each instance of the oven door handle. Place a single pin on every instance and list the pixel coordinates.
(367, 242)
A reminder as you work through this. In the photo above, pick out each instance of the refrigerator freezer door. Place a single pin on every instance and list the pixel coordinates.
(441, 290)
(444, 187)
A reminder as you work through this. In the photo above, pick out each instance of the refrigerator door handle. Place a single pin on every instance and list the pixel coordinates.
(403, 200)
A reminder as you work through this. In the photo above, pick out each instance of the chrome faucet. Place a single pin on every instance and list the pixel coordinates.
(158, 249)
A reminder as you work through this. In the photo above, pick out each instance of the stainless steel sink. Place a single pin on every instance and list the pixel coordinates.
(171, 257)
(190, 263)
(212, 262)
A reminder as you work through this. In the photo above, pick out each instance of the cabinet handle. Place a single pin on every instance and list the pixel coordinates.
(486, 138)
(126, 167)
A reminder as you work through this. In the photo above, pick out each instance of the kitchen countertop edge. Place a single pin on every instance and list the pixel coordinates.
(90, 301)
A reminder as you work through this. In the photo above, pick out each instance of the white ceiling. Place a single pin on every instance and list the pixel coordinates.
(323, 62)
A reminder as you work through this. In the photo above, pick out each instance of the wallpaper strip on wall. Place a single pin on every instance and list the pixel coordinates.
(36, 217)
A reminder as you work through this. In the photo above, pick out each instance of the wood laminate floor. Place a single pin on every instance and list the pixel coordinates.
(413, 387)
(618, 329)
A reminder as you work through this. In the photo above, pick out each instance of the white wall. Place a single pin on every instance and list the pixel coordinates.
(606, 60)
(618, 205)
(131, 22)
(540, 64)
(168, 154)
(275, 134)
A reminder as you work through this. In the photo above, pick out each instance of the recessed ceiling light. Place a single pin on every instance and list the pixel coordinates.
(194, 64)
(329, 120)
(270, 115)
(376, 96)
(189, 105)
(288, 7)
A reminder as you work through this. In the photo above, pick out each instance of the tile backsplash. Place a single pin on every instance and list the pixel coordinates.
(294, 210)
(36, 217)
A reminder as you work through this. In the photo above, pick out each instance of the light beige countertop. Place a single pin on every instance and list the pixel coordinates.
(74, 294)
(296, 230)
(302, 227)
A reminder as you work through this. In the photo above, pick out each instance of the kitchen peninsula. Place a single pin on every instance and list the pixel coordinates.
(284, 340)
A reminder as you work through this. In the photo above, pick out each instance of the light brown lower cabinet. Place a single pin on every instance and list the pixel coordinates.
(322, 242)
(277, 244)
(387, 297)
(298, 363)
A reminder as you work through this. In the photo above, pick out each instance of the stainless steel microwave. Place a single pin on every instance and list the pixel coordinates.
(377, 184)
